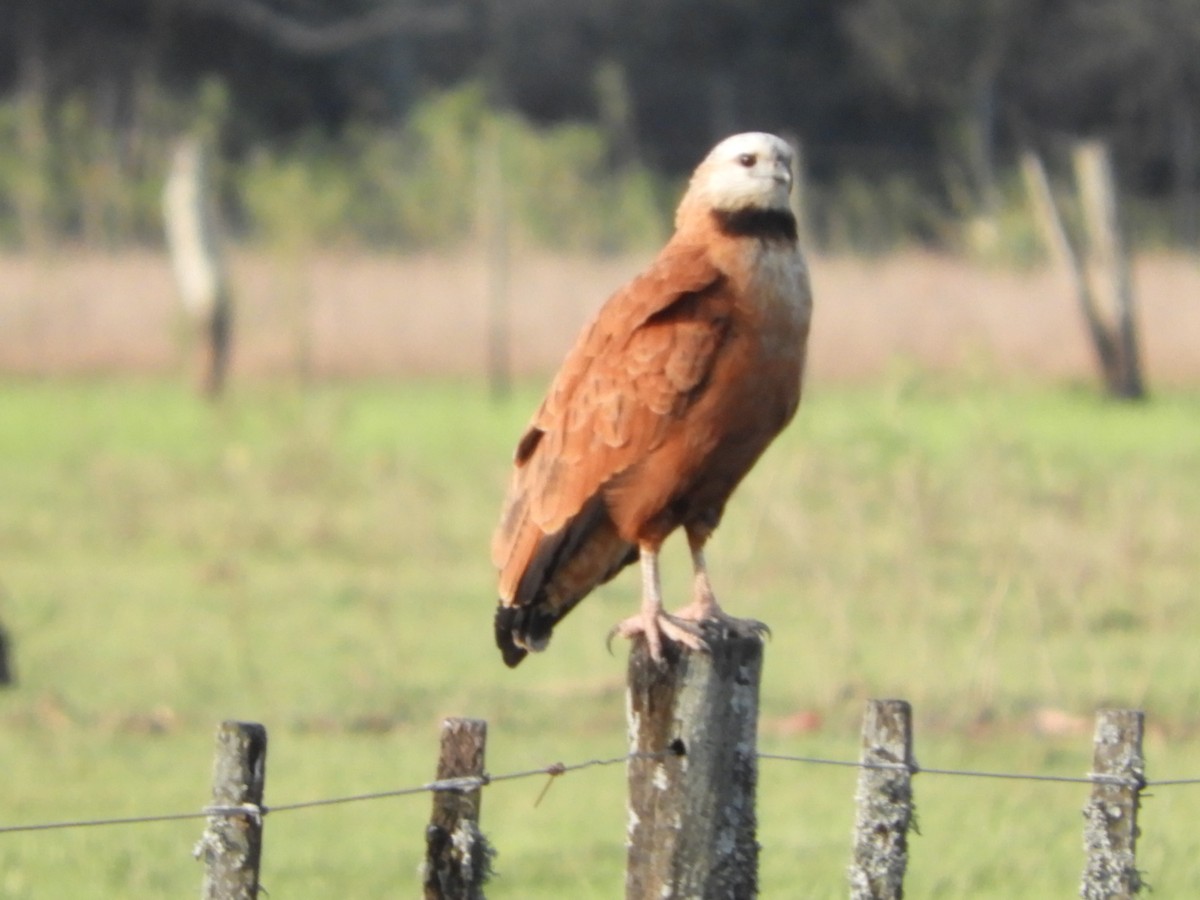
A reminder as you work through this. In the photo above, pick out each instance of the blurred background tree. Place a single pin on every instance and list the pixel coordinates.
(911, 112)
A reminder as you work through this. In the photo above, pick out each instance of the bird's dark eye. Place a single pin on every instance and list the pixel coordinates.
(747, 159)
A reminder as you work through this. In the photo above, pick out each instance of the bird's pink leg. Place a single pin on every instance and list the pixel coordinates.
(704, 606)
(651, 620)
(704, 602)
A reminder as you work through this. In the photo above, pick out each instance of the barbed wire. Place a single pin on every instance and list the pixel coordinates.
(461, 783)
(915, 769)
(92, 823)
(554, 770)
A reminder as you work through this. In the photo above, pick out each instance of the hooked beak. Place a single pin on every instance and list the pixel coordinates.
(783, 174)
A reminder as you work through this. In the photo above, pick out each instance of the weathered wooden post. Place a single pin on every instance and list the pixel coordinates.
(457, 855)
(1110, 816)
(194, 241)
(1101, 212)
(693, 770)
(8, 674)
(1097, 261)
(8, 668)
(231, 846)
(884, 802)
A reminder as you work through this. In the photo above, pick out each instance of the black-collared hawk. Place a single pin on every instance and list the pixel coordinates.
(665, 402)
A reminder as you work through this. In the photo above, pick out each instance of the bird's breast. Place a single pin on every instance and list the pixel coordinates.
(778, 289)
(769, 369)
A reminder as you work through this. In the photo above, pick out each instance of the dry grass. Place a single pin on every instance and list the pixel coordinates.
(357, 314)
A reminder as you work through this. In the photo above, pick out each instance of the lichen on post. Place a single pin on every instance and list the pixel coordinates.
(1110, 816)
(457, 855)
(693, 771)
(884, 802)
(231, 846)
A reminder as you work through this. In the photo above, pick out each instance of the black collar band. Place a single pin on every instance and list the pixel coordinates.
(765, 224)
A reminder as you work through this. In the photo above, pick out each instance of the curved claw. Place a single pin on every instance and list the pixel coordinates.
(612, 632)
(682, 629)
(752, 626)
(708, 614)
(657, 628)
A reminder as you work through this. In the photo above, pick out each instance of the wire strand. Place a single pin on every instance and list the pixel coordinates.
(554, 770)
(914, 769)
(92, 823)
(464, 783)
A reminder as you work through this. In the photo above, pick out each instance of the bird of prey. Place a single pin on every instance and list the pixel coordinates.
(665, 402)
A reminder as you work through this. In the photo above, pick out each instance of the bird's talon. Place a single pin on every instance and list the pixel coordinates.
(661, 626)
(695, 629)
(755, 628)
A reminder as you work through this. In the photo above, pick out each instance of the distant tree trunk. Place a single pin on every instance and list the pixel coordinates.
(981, 139)
(1106, 239)
(32, 187)
(1098, 266)
(193, 238)
(8, 676)
(1185, 146)
(614, 102)
(147, 83)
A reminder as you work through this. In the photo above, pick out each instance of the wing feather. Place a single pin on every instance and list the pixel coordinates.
(626, 379)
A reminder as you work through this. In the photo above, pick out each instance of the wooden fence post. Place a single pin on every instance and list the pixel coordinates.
(1098, 265)
(1101, 214)
(1110, 816)
(8, 672)
(193, 235)
(232, 843)
(457, 855)
(884, 802)
(693, 723)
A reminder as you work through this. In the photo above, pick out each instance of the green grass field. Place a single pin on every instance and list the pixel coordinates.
(318, 561)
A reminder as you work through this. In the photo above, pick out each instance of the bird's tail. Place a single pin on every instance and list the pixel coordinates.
(521, 628)
(563, 569)
(527, 627)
